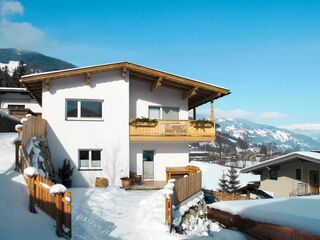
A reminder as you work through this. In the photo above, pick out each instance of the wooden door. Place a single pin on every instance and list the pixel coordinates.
(314, 182)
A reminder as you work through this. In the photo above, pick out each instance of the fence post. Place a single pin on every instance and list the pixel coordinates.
(17, 163)
(32, 190)
(59, 214)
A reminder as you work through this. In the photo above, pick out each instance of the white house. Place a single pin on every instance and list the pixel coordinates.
(94, 117)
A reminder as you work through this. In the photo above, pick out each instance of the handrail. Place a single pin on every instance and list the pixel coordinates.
(301, 190)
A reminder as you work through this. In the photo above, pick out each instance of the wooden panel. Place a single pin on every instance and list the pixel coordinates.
(34, 126)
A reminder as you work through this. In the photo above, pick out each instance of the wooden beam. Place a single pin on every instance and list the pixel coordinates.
(203, 100)
(212, 111)
(47, 84)
(124, 73)
(194, 114)
(156, 84)
(88, 78)
(190, 93)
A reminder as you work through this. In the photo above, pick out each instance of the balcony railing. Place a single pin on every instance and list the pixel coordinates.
(171, 130)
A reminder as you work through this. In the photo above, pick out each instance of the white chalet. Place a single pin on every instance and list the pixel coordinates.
(96, 117)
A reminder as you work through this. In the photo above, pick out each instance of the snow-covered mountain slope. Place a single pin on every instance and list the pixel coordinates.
(35, 62)
(255, 133)
(11, 65)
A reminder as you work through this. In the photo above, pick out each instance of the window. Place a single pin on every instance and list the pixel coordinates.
(273, 173)
(298, 174)
(89, 159)
(154, 112)
(12, 106)
(167, 113)
(170, 113)
(83, 109)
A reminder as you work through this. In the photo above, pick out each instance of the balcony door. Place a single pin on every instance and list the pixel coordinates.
(148, 165)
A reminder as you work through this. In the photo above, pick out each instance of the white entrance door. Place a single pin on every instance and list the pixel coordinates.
(148, 164)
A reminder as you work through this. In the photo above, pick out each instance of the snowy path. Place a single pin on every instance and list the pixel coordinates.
(114, 213)
(16, 222)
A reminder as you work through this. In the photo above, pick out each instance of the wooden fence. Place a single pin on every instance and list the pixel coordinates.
(184, 188)
(57, 206)
(222, 196)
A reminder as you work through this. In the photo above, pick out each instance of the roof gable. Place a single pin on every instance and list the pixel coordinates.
(196, 92)
(308, 156)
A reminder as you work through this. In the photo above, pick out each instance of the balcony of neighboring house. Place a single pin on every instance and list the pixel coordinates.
(163, 124)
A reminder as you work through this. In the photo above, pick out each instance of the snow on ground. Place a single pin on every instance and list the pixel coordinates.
(299, 212)
(211, 173)
(110, 213)
(114, 213)
(16, 222)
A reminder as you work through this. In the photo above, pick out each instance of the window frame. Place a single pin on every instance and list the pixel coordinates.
(161, 110)
(79, 118)
(90, 160)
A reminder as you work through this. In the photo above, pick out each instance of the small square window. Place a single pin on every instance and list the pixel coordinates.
(89, 159)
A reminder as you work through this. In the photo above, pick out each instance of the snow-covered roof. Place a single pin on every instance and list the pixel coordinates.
(12, 89)
(308, 156)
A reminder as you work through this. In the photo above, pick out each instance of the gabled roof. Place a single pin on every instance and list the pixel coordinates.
(197, 92)
(308, 156)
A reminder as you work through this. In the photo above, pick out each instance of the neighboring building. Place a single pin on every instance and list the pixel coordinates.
(93, 119)
(8, 122)
(18, 101)
(293, 174)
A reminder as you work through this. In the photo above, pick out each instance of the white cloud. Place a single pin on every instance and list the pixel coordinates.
(11, 7)
(241, 114)
(303, 126)
(273, 116)
(20, 34)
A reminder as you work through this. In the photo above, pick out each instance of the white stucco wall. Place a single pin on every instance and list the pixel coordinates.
(167, 154)
(111, 134)
(141, 98)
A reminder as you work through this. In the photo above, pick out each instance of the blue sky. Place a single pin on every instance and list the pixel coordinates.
(266, 52)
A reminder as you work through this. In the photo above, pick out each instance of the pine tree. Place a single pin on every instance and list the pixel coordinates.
(233, 181)
(223, 183)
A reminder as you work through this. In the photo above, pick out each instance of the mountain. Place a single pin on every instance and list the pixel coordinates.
(34, 61)
(259, 134)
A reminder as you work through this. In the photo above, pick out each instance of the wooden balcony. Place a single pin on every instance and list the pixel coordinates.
(171, 130)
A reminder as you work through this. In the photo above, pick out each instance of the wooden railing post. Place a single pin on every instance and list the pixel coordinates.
(32, 194)
(59, 214)
(17, 160)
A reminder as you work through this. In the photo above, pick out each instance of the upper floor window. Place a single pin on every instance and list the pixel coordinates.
(83, 109)
(171, 113)
(167, 113)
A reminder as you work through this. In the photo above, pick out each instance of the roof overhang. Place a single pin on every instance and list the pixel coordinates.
(280, 160)
(196, 92)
